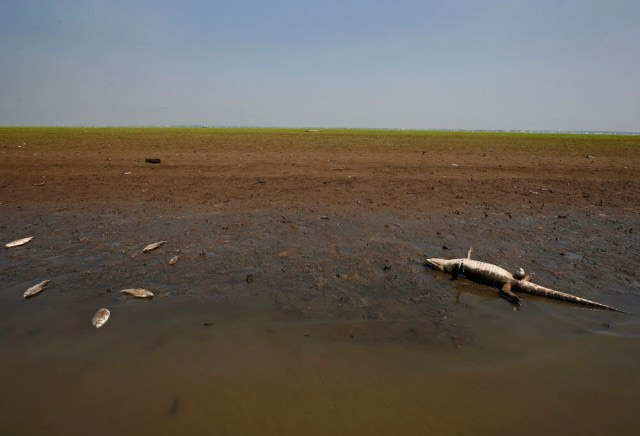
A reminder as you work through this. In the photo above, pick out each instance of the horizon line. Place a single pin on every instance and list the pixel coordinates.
(316, 128)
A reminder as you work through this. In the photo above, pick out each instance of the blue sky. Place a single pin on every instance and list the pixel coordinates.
(545, 65)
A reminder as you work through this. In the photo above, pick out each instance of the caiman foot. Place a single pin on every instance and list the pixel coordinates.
(521, 275)
(507, 294)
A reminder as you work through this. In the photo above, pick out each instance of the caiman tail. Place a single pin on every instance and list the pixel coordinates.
(533, 289)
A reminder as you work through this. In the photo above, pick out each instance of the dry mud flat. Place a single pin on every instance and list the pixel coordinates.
(341, 328)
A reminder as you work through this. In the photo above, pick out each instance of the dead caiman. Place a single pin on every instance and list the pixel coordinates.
(493, 275)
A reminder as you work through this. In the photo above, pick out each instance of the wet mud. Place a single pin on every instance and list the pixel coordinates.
(289, 312)
(330, 301)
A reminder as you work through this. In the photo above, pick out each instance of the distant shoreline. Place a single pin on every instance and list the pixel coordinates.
(313, 129)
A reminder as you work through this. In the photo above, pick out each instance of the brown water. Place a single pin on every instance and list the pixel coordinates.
(342, 330)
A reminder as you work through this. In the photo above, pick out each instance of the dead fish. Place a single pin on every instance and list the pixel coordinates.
(173, 260)
(100, 318)
(152, 246)
(36, 289)
(138, 293)
(18, 242)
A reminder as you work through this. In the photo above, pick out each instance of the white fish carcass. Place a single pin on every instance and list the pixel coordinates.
(18, 242)
(152, 246)
(138, 292)
(100, 318)
(36, 289)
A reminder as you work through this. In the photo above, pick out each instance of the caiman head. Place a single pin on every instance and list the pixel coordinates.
(444, 265)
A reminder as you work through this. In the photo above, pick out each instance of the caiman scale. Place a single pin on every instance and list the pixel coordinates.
(508, 283)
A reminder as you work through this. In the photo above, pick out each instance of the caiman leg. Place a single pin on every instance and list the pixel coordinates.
(506, 293)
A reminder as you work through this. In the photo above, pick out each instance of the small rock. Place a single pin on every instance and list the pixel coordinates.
(152, 160)
(249, 278)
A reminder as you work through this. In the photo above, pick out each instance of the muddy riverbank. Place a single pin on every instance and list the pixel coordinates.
(299, 302)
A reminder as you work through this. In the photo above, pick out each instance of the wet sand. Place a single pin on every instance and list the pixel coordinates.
(341, 329)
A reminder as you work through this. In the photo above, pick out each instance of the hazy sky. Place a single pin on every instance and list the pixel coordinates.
(518, 64)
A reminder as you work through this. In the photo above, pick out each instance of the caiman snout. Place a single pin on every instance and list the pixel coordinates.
(435, 263)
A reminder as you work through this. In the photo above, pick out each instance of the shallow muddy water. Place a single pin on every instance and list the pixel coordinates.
(341, 330)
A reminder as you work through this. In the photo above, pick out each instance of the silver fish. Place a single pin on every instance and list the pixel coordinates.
(100, 318)
(138, 293)
(18, 242)
(173, 260)
(36, 289)
(152, 246)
